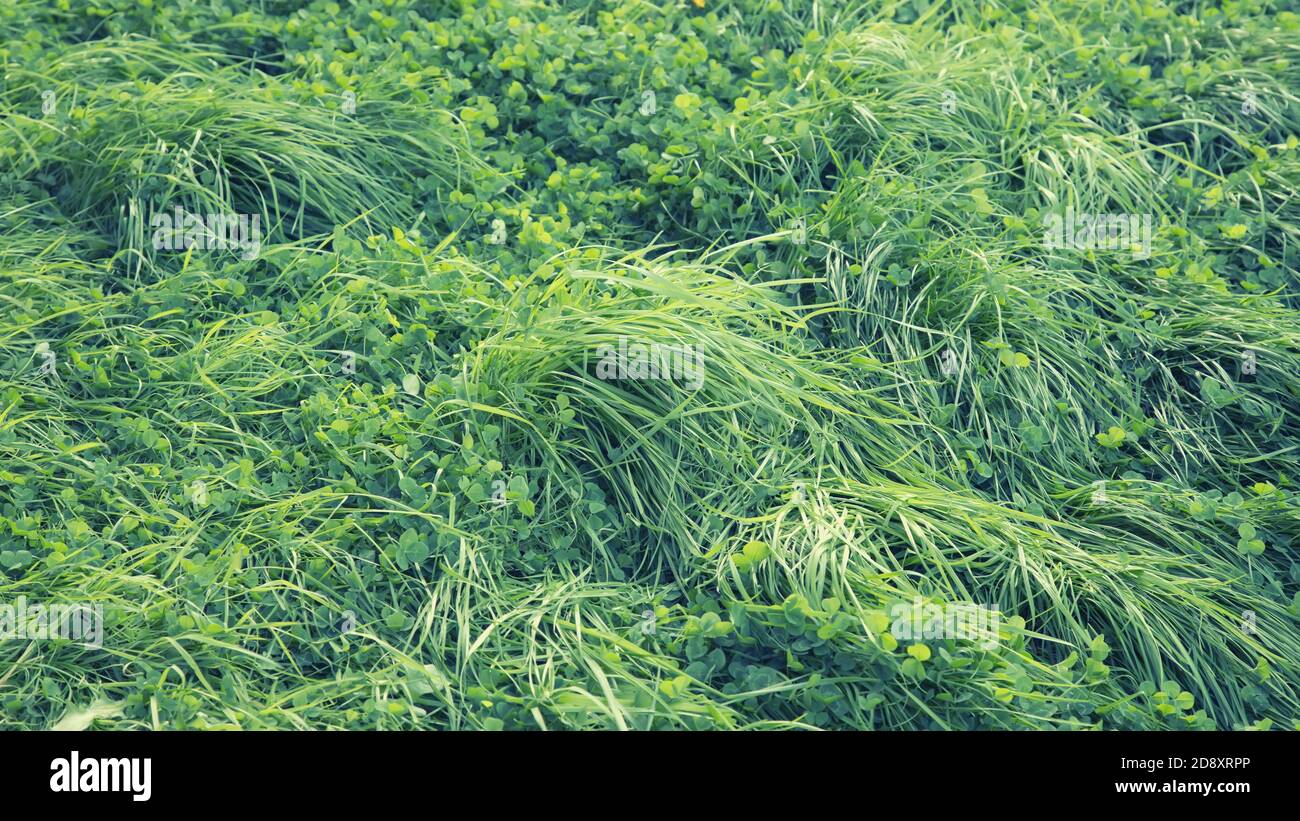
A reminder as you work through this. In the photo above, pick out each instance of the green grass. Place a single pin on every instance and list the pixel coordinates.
(905, 394)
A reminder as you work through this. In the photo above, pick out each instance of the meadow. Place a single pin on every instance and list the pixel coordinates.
(606, 364)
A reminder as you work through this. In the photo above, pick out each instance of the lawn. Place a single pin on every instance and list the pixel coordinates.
(606, 364)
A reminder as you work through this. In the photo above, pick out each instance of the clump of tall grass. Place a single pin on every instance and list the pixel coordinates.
(138, 130)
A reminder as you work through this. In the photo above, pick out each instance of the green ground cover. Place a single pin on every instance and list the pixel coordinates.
(373, 470)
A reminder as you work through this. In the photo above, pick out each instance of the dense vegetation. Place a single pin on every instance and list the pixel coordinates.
(369, 476)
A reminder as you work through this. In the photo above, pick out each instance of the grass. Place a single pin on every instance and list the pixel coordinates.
(374, 475)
